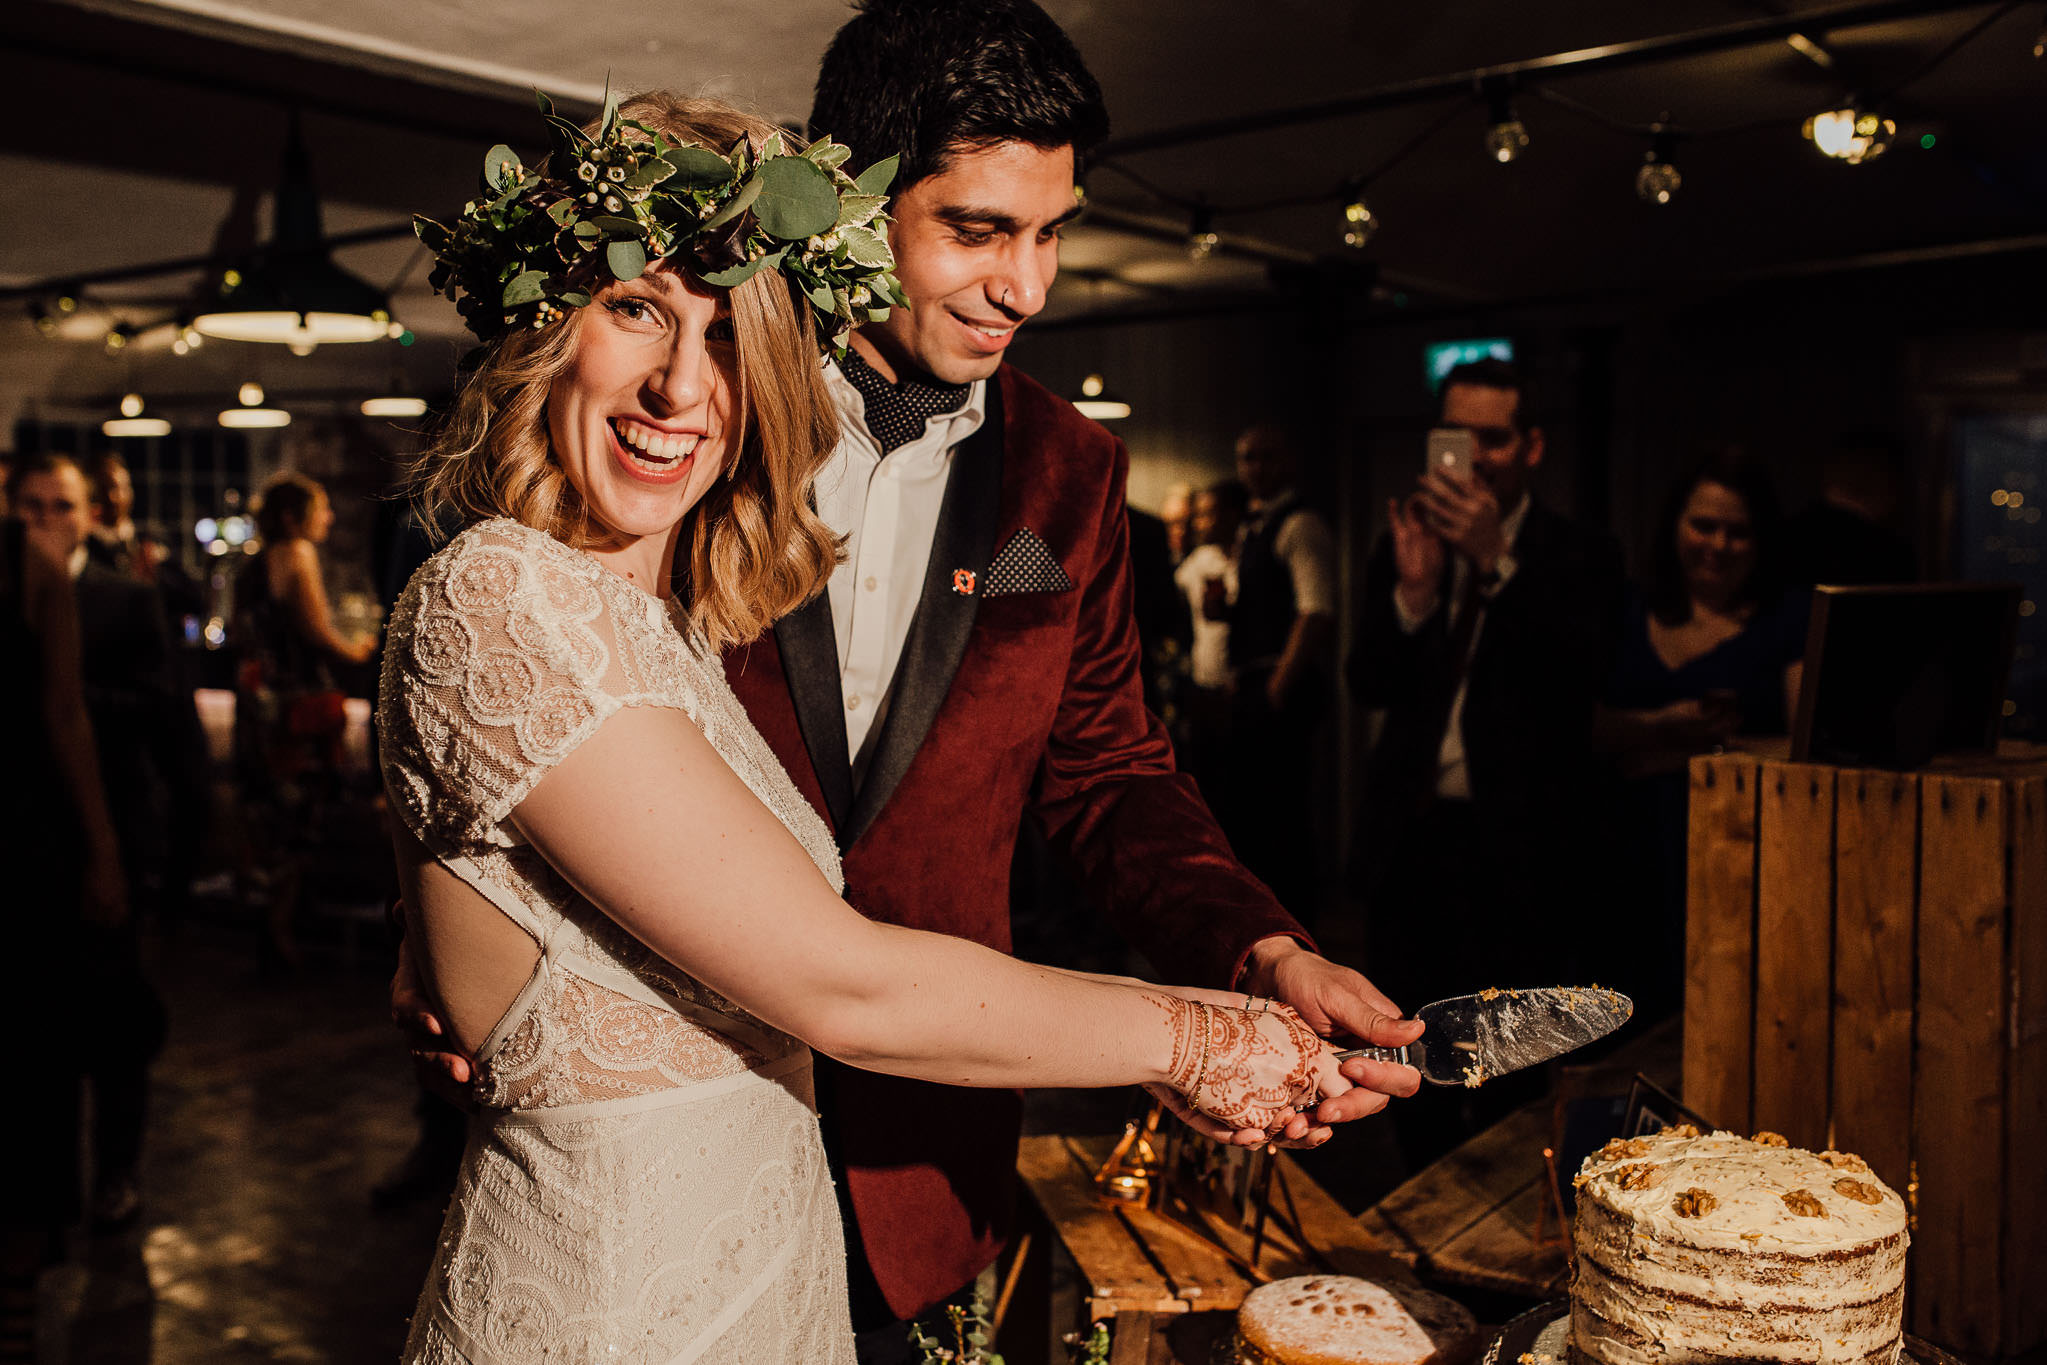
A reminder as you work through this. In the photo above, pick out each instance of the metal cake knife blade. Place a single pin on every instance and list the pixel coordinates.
(1470, 1039)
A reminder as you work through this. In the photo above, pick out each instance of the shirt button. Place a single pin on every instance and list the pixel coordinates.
(853, 702)
(872, 584)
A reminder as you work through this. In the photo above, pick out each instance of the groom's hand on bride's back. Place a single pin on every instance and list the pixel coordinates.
(440, 1068)
(1335, 1000)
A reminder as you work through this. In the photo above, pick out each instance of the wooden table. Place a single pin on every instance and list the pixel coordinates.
(1145, 1271)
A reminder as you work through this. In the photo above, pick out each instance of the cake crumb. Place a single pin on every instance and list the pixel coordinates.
(1805, 1203)
(1694, 1203)
(1861, 1191)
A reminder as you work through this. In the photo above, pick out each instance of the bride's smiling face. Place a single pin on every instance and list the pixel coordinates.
(644, 419)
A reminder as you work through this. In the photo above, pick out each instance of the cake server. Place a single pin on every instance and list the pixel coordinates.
(1469, 1039)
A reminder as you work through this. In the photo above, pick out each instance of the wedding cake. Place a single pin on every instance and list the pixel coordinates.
(1343, 1320)
(1695, 1247)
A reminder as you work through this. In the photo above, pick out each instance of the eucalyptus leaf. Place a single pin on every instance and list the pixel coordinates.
(696, 168)
(497, 166)
(738, 204)
(746, 270)
(820, 295)
(796, 200)
(858, 210)
(433, 236)
(877, 315)
(528, 286)
(627, 258)
(864, 246)
(575, 298)
(877, 178)
(614, 227)
(587, 231)
(560, 211)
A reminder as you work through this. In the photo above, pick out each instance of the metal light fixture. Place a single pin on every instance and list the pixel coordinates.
(1097, 402)
(1506, 137)
(1850, 134)
(131, 422)
(394, 405)
(1658, 178)
(290, 292)
(252, 415)
(1360, 224)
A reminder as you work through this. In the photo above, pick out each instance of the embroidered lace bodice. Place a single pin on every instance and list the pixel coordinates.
(646, 1183)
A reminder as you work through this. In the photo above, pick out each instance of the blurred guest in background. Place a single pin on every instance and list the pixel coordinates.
(116, 542)
(1282, 629)
(1847, 535)
(1162, 627)
(1207, 580)
(1176, 510)
(1486, 636)
(289, 720)
(1709, 649)
(63, 874)
(126, 670)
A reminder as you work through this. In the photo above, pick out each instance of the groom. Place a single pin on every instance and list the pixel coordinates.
(974, 660)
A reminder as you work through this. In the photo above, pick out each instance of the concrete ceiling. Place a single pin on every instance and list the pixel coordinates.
(132, 131)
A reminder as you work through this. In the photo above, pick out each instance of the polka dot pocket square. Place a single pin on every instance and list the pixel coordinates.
(1025, 565)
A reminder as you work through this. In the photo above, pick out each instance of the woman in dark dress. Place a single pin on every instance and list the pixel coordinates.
(289, 720)
(1710, 650)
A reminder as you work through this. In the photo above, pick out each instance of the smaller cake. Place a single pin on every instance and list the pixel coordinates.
(1343, 1320)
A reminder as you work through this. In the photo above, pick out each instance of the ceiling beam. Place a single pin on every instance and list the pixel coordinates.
(1610, 57)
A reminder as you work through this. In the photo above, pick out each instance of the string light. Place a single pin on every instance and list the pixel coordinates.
(1202, 238)
(1658, 178)
(1850, 134)
(1360, 224)
(1506, 137)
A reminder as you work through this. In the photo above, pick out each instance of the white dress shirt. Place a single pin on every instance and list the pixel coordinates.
(886, 507)
(1453, 775)
(1209, 660)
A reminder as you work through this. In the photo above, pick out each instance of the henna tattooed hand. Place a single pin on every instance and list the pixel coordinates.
(1248, 1069)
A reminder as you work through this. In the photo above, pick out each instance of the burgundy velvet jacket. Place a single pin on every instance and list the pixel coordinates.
(1016, 693)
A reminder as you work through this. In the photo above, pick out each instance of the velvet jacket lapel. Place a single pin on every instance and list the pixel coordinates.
(945, 617)
(810, 661)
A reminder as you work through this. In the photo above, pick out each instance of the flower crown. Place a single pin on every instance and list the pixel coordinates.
(537, 244)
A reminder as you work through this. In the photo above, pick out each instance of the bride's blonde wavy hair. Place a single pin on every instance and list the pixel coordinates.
(755, 549)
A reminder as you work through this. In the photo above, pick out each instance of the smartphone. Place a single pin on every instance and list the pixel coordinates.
(1450, 451)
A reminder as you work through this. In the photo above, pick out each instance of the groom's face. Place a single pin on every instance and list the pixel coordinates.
(977, 246)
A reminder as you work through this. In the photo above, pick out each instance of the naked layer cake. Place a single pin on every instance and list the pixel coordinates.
(1696, 1247)
(1344, 1320)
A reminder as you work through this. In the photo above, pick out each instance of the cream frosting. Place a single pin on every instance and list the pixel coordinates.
(1696, 1247)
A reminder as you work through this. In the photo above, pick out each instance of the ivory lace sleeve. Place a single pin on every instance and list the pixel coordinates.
(503, 656)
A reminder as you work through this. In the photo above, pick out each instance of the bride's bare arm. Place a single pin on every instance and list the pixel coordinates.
(649, 823)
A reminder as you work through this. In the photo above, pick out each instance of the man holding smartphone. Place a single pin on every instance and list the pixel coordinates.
(1487, 630)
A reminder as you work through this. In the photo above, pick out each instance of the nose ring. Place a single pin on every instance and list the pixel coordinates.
(1005, 296)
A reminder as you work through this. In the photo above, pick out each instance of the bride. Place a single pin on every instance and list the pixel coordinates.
(624, 909)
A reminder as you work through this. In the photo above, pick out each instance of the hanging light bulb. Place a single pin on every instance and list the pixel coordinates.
(1506, 137)
(1202, 238)
(1850, 134)
(1658, 179)
(252, 414)
(394, 405)
(1360, 224)
(131, 422)
(1097, 402)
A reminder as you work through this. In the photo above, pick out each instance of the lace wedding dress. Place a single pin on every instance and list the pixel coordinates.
(645, 1182)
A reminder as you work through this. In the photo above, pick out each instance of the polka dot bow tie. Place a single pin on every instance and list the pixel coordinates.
(896, 413)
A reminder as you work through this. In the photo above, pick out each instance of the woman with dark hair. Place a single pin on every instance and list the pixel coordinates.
(1710, 650)
(288, 708)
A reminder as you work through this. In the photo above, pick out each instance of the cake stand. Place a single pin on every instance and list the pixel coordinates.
(1545, 1333)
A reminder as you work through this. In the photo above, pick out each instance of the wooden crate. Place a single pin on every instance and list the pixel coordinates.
(1866, 969)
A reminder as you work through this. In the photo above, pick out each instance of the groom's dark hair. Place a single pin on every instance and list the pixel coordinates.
(925, 79)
